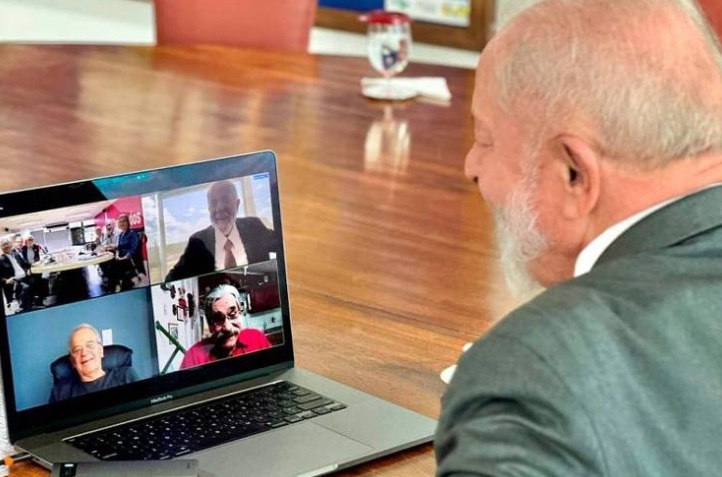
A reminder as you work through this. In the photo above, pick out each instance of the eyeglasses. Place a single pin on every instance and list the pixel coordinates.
(218, 319)
(91, 346)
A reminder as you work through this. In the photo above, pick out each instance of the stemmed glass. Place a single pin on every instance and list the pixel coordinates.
(389, 46)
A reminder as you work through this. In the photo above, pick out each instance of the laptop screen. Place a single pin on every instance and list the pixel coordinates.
(129, 290)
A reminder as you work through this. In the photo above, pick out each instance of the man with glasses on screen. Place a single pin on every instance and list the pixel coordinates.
(224, 311)
(228, 242)
(86, 356)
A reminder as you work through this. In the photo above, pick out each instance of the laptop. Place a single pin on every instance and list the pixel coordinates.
(136, 468)
(135, 316)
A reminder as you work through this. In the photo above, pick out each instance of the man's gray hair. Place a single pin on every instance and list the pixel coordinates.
(84, 326)
(644, 75)
(217, 293)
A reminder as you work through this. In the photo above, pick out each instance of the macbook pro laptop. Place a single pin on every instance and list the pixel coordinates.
(149, 319)
(136, 468)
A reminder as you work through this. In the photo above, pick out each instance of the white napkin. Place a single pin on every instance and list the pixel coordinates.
(429, 87)
(448, 373)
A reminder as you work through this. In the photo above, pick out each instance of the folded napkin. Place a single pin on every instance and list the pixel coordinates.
(448, 373)
(429, 87)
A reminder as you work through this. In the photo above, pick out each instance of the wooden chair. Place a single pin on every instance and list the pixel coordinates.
(270, 24)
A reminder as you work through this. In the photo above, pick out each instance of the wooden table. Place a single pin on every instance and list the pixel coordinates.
(389, 246)
(72, 263)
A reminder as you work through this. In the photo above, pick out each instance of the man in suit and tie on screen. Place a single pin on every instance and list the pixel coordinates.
(17, 252)
(31, 251)
(14, 277)
(598, 149)
(228, 242)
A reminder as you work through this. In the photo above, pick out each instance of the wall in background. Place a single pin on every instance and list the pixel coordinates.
(37, 338)
(77, 21)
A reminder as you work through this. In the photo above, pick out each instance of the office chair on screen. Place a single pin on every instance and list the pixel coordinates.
(270, 24)
(114, 356)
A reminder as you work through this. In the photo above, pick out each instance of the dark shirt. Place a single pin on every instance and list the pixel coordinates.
(70, 388)
(18, 255)
(31, 254)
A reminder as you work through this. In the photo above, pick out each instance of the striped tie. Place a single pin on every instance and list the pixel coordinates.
(230, 260)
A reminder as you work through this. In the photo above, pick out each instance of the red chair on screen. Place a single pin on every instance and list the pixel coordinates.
(713, 10)
(271, 24)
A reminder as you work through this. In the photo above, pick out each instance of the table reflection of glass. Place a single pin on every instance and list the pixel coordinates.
(388, 142)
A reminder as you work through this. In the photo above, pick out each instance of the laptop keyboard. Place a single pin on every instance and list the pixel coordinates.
(195, 428)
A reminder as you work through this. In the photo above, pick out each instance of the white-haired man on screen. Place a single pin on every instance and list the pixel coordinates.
(229, 242)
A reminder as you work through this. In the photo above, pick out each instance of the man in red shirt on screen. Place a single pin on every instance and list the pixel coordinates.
(224, 311)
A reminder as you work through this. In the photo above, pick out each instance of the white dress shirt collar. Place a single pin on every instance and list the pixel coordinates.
(238, 250)
(591, 253)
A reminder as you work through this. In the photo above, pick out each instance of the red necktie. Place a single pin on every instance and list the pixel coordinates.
(230, 260)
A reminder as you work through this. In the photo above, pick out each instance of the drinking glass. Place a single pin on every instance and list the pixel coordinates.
(389, 46)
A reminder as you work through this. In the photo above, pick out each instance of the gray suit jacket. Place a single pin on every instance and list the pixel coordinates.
(615, 373)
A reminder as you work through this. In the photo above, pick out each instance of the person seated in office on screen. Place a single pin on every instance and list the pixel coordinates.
(14, 277)
(38, 285)
(86, 356)
(126, 243)
(18, 243)
(224, 311)
(31, 251)
(109, 241)
(128, 261)
(129, 243)
(598, 148)
(228, 242)
(95, 245)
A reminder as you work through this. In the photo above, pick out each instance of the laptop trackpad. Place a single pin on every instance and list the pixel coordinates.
(291, 450)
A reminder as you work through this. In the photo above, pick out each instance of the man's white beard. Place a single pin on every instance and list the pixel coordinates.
(519, 240)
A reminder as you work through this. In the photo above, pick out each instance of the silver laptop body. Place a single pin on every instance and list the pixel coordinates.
(160, 320)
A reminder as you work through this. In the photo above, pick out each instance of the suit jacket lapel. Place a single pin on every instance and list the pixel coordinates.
(19, 258)
(209, 239)
(678, 221)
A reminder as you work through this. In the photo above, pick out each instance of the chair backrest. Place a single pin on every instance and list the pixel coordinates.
(114, 356)
(713, 10)
(270, 24)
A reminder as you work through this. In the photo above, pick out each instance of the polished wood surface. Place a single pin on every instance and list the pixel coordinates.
(389, 246)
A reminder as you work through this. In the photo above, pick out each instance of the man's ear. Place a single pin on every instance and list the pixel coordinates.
(580, 169)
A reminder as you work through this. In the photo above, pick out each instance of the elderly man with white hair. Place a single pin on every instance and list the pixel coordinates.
(598, 147)
(224, 310)
(14, 277)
